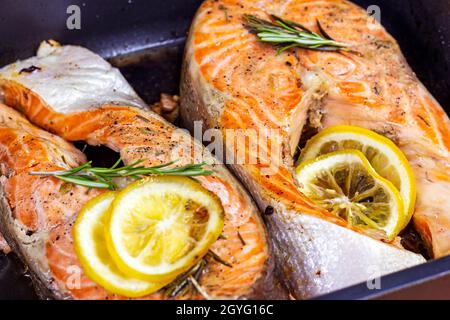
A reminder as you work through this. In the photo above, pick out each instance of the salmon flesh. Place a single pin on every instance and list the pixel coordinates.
(233, 83)
(77, 95)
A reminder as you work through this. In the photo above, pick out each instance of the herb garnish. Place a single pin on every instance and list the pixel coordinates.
(289, 34)
(218, 259)
(190, 279)
(99, 177)
(182, 283)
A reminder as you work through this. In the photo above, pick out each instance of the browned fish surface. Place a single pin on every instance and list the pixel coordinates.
(231, 81)
(92, 102)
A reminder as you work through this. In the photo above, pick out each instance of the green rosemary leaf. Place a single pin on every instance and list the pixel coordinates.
(84, 182)
(288, 34)
(323, 32)
(98, 177)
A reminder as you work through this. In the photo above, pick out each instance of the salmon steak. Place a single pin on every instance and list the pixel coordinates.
(233, 82)
(77, 95)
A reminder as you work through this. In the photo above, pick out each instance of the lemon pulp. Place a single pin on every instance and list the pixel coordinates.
(160, 226)
(345, 184)
(384, 156)
(90, 247)
(136, 241)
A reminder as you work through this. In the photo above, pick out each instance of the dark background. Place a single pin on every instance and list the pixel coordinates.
(117, 27)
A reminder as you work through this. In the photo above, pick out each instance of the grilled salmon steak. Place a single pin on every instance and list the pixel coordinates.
(233, 82)
(75, 93)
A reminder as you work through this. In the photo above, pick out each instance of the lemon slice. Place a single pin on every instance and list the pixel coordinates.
(90, 247)
(384, 156)
(161, 226)
(345, 184)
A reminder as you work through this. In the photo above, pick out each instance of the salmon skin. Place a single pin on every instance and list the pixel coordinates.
(232, 82)
(74, 93)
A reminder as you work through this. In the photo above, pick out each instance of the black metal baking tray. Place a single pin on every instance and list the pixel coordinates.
(145, 39)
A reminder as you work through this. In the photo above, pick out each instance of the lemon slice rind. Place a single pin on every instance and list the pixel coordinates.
(124, 203)
(94, 257)
(308, 170)
(368, 138)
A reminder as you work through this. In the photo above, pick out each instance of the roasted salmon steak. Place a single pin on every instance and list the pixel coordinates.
(233, 82)
(75, 93)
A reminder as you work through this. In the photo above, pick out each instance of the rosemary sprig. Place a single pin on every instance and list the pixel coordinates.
(199, 288)
(218, 259)
(288, 34)
(99, 177)
(184, 282)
